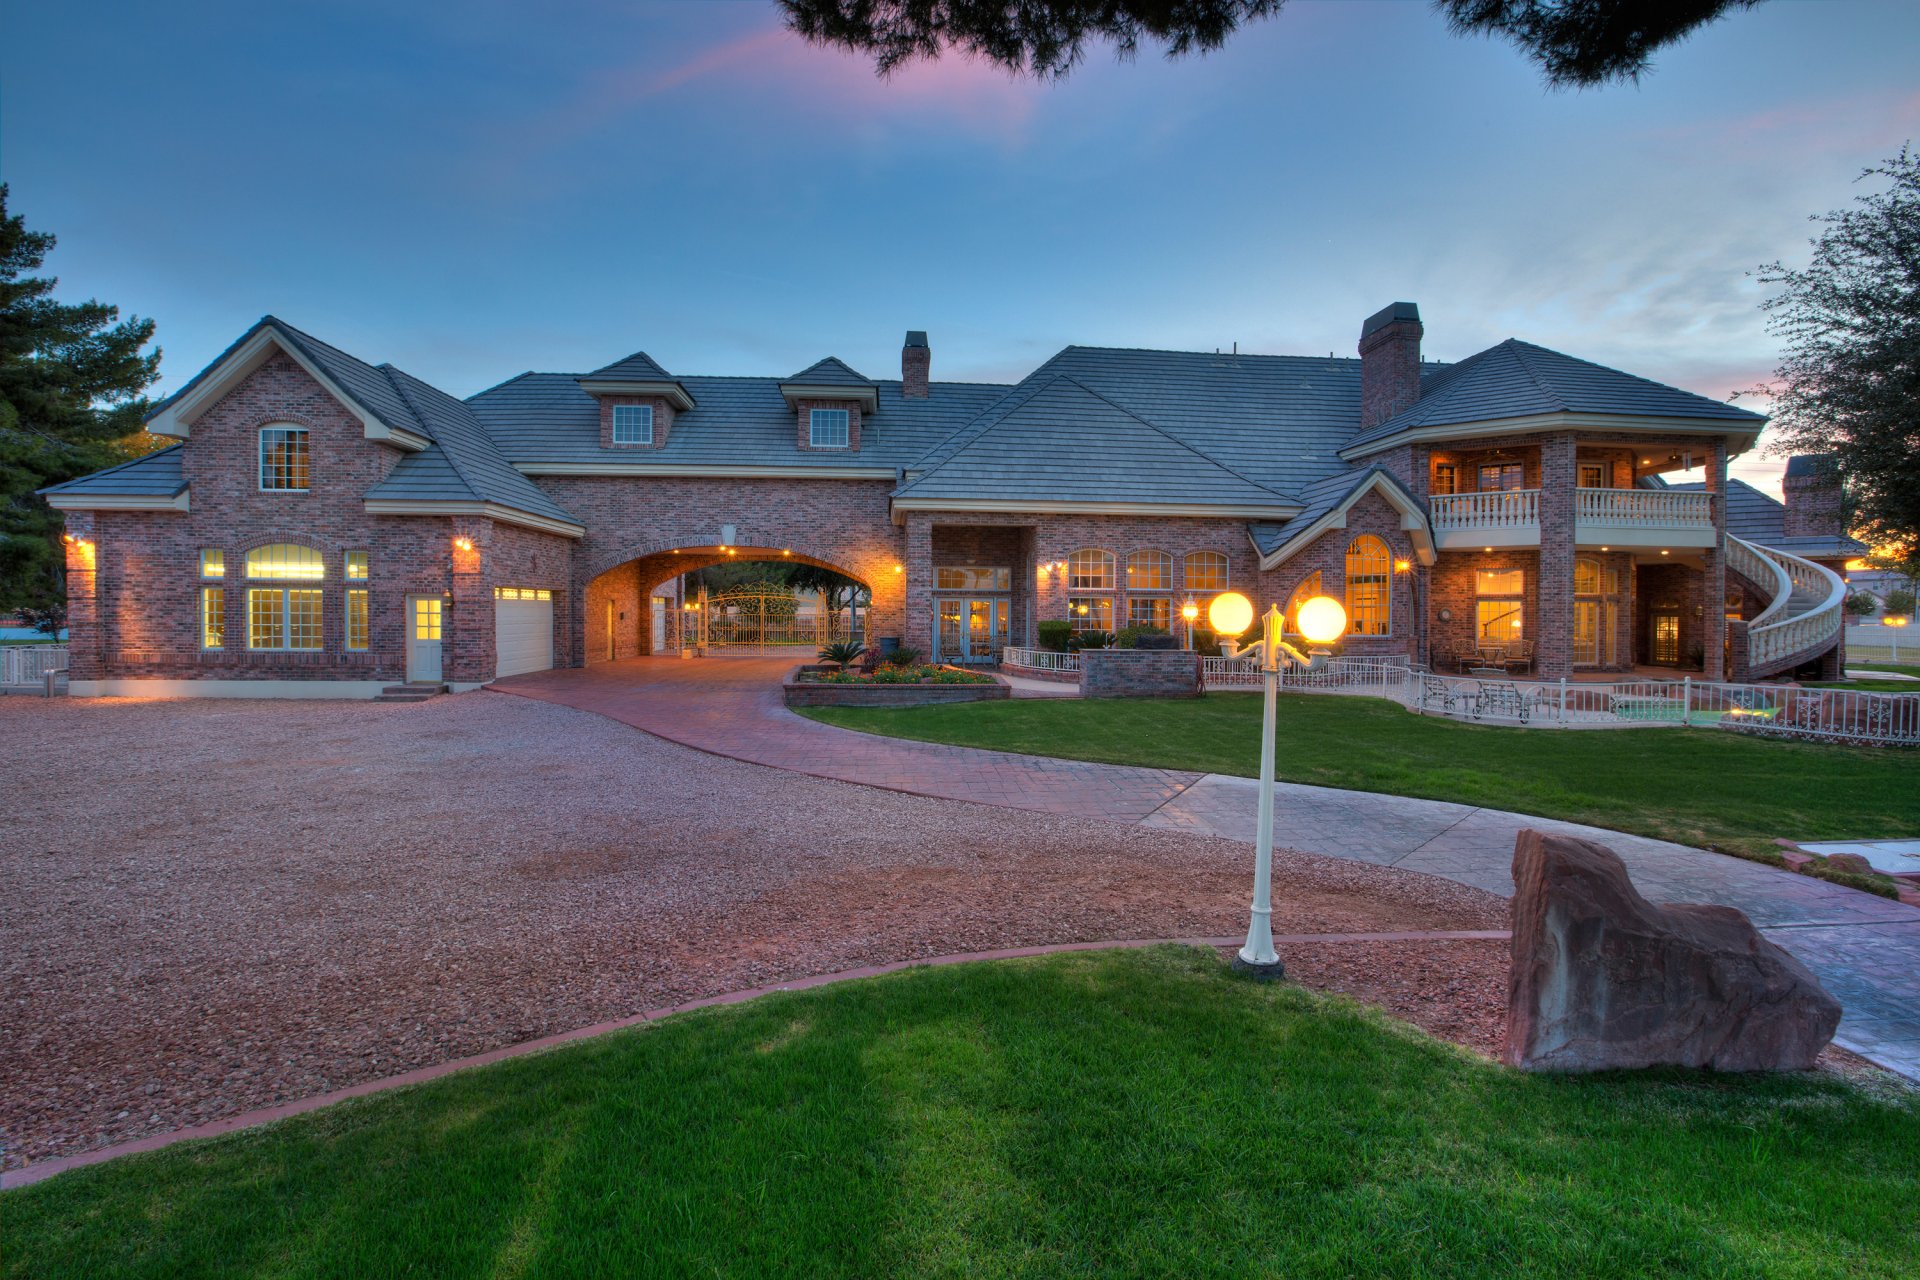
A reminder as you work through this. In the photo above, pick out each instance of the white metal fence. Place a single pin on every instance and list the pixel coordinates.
(29, 663)
(1039, 659)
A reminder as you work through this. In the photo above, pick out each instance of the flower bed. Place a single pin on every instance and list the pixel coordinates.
(813, 685)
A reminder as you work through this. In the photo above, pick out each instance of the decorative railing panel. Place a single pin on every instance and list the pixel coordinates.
(1039, 659)
(29, 663)
(1643, 508)
(1498, 509)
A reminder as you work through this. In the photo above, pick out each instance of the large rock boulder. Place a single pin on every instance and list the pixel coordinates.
(1603, 979)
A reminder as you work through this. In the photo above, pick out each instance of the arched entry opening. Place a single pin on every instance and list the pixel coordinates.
(648, 605)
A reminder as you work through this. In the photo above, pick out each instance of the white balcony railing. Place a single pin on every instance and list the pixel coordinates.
(1643, 508)
(1497, 509)
(1040, 659)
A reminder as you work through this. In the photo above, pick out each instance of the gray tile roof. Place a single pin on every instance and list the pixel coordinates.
(638, 367)
(830, 372)
(1319, 498)
(1515, 379)
(463, 457)
(1065, 442)
(1759, 517)
(546, 418)
(154, 475)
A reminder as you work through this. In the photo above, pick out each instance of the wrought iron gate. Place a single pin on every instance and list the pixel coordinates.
(769, 622)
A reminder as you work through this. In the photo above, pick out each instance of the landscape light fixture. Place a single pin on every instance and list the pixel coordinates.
(1189, 611)
(465, 544)
(1895, 621)
(1321, 621)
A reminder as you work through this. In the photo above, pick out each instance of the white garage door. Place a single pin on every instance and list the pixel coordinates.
(522, 630)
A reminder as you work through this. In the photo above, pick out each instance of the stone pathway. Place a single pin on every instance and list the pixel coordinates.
(1865, 949)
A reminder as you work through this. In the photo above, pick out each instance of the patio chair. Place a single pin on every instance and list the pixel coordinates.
(1519, 656)
(1435, 692)
(1501, 698)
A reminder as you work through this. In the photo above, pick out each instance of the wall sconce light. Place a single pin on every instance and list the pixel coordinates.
(465, 544)
(1401, 566)
(69, 537)
(1664, 551)
(785, 552)
(899, 568)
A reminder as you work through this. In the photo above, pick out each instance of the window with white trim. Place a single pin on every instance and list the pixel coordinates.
(522, 593)
(1090, 613)
(828, 428)
(284, 618)
(283, 458)
(633, 424)
(1307, 588)
(1150, 611)
(1090, 569)
(357, 632)
(1149, 571)
(357, 565)
(213, 617)
(1206, 571)
(952, 577)
(1500, 609)
(213, 563)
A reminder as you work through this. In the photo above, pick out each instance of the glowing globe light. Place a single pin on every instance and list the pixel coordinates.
(1230, 613)
(1321, 620)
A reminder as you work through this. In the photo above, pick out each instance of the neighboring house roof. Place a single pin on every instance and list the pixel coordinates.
(1326, 503)
(1760, 517)
(153, 475)
(1518, 379)
(1065, 446)
(545, 422)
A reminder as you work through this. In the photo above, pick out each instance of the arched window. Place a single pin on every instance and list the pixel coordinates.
(1090, 569)
(1309, 588)
(1369, 587)
(285, 560)
(283, 457)
(1206, 571)
(1149, 571)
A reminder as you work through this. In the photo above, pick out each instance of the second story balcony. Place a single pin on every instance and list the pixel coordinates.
(1601, 517)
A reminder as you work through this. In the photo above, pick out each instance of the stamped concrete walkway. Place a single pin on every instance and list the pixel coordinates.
(1865, 949)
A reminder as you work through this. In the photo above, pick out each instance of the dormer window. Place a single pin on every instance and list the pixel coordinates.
(633, 424)
(283, 458)
(827, 428)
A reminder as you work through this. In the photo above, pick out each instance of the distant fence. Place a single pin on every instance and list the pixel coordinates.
(29, 663)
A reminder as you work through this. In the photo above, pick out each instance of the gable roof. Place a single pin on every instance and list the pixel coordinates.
(638, 367)
(1515, 379)
(1064, 446)
(1326, 505)
(154, 480)
(831, 371)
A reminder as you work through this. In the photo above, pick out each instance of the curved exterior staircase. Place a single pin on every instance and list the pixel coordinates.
(1804, 620)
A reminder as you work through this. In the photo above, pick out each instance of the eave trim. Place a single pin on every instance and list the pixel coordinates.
(671, 469)
(117, 501)
(1170, 509)
(1413, 522)
(461, 507)
(1560, 421)
(675, 394)
(794, 392)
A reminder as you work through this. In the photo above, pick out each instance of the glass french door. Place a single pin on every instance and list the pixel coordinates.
(1594, 627)
(970, 630)
(1666, 639)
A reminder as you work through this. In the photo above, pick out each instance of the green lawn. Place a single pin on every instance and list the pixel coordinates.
(1139, 1113)
(1867, 686)
(1902, 668)
(1703, 787)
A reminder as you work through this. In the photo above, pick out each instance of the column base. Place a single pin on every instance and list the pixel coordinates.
(1265, 972)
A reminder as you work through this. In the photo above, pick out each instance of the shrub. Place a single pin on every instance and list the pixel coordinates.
(902, 657)
(1130, 637)
(1093, 640)
(1055, 635)
(1861, 604)
(1206, 640)
(1900, 601)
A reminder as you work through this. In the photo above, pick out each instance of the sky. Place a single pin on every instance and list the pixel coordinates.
(472, 190)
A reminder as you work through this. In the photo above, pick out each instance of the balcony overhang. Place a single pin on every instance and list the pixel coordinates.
(1739, 434)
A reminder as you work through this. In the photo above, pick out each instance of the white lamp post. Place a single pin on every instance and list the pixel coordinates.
(1189, 611)
(1320, 620)
(1896, 622)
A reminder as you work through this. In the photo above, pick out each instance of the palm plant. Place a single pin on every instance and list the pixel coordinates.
(844, 652)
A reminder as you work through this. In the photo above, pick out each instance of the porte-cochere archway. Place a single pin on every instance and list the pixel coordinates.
(632, 607)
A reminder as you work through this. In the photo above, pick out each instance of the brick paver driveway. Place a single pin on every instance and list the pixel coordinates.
(1865, 949)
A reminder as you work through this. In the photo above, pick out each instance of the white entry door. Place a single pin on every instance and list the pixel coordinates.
(424, 621)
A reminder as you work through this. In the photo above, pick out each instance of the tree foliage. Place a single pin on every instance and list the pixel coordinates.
(1899, 602)
(1848, 383)
(1577, 43)
(72, 383)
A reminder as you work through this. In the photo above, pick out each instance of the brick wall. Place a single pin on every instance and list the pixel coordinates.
(1389, 370)
(1140, 673)
(1816, 507)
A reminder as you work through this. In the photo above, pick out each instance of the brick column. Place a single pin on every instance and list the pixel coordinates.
(466, 637)
(1713, 584)
(85, 651)
(917, 599)
(1555, 589)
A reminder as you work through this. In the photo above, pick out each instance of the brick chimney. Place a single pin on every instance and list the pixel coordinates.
(1816, 508)
(916, 365)
(1389, 362)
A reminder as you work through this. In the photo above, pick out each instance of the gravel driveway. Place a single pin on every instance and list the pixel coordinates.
(210, 906)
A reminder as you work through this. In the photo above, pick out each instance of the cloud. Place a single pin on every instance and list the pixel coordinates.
(955, 90)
